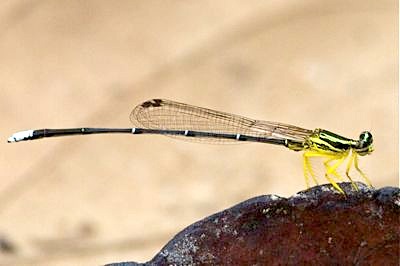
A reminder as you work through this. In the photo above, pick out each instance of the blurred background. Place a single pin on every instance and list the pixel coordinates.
(91, 200)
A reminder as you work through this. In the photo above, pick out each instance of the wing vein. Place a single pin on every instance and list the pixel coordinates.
(166, 114)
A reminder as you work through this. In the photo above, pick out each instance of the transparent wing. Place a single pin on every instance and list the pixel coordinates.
(165, 114)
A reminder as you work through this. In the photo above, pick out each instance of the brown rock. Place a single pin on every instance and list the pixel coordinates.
(316, 226)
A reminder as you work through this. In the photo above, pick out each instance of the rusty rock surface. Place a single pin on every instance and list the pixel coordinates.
(316, 226)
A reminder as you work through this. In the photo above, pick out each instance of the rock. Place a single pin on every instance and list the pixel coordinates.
(316, 226)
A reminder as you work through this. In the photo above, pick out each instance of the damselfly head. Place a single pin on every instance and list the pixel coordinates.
(364, 146)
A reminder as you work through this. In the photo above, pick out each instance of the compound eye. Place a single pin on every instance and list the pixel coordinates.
(366, 139)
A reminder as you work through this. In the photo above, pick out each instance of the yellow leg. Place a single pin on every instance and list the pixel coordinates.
(329, 169)
(332, 169)
(307, 164)
(334, 184)
(351, 160)
(359, 170)
(307, 169)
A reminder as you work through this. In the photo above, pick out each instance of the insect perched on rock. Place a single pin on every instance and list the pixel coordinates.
(194, 123)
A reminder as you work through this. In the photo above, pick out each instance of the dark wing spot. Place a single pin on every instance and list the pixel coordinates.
(152, 103)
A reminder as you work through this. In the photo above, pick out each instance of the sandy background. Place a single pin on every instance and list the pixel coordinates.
(96, 199)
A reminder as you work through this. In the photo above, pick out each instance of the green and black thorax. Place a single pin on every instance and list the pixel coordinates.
(325, 141)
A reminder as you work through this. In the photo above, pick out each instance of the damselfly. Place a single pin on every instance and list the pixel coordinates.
(194, 123)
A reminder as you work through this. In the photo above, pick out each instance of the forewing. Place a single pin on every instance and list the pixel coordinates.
(170, 115)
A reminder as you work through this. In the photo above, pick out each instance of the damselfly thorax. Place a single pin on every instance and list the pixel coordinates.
(334, 150)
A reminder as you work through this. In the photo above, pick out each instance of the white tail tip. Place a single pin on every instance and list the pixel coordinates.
(22, 135)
